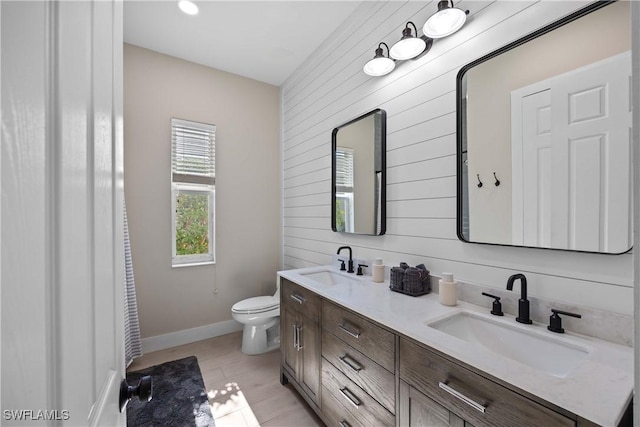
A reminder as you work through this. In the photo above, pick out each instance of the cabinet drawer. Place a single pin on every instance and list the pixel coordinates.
(426, 371)
(300, 298)
(342, 399)
(361, 334)
(370, 376)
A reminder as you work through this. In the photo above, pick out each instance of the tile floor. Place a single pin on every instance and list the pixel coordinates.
(244, 391)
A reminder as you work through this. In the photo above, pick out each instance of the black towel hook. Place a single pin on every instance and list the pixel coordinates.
(497, 180)
(479, 182)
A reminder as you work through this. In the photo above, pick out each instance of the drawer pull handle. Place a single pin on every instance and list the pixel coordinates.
(351, 363)
(355, 334)
(350, 397)
(299, 329)
(343, 423)
(465, 399)
(298, 298)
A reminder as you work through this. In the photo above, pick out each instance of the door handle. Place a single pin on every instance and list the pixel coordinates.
(295, 335)
(299, 329)
(143, 390)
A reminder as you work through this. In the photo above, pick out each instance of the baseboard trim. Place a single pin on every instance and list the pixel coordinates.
(186, 336)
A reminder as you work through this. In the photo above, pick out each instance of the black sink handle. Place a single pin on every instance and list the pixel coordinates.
(497, 305)
(555, 321)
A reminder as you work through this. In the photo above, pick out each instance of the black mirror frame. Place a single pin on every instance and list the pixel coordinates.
(383, 165)
(461, 116)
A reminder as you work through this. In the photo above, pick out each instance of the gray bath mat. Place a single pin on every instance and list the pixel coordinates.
(179, 396)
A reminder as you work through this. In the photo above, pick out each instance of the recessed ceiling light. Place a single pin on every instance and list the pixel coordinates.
(188, 7)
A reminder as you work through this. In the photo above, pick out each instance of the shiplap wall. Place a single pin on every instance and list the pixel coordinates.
(420, 99)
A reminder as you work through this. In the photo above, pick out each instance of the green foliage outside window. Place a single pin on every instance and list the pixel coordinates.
(192, 224)
(340, 215)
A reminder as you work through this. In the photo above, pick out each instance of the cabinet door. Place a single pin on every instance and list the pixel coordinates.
(310, 357)
(288, 340)
(417, 410)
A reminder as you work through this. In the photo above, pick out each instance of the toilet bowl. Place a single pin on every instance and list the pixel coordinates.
(261, 319)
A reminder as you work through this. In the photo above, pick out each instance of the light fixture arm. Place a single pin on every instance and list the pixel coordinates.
(406, 33)
(444, 4)
(379, 51)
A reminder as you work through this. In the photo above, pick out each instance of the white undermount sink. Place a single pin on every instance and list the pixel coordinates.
(330, 277)
(545, 353)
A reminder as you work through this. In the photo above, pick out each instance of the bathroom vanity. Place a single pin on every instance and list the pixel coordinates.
(361, 355)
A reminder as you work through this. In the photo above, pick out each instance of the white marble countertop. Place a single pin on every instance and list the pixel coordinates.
(598, 389)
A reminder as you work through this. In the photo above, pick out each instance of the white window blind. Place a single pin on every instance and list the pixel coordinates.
(193, 152)
(344, 169)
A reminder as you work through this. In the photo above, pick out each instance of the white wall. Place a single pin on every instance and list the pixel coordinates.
(420, 100)
(245, 112)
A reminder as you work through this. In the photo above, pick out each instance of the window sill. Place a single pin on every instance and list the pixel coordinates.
(193, 264)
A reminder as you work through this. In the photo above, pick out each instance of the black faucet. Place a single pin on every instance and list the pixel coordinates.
(523, 302)
(350, 270)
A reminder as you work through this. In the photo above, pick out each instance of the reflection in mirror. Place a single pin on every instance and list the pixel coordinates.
(550, 115)
(358, 180)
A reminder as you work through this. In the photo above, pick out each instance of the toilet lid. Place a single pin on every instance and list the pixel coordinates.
(255, 305)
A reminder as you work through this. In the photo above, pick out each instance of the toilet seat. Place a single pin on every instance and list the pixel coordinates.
(255, 305)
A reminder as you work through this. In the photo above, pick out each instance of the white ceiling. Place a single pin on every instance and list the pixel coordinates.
(262, 40)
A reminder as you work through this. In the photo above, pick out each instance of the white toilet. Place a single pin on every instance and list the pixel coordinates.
(261, 319)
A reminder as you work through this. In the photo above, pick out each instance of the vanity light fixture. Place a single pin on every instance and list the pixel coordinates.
(446, 21)
(409, 46)
(380, 64)
(188, 7)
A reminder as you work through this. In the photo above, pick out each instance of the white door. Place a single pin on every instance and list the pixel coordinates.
(535, 218)
(61, 217)
(576, 159)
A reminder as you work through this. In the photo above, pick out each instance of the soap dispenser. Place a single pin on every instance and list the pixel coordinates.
(448, 293)
(377, 274)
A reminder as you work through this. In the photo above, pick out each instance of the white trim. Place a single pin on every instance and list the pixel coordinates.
(193, 264)
(635, 89)
(101, 407)
(186, 336)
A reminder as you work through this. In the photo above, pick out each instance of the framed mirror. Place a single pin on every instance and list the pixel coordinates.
(544, 137)
(359, 148)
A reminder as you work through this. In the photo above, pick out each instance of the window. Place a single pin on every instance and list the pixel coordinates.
(193, 180)
(344, 190)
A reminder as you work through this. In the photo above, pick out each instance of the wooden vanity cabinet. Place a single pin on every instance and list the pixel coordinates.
(431, 386)
(358, 370)
(417, 410)
(300, 338)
